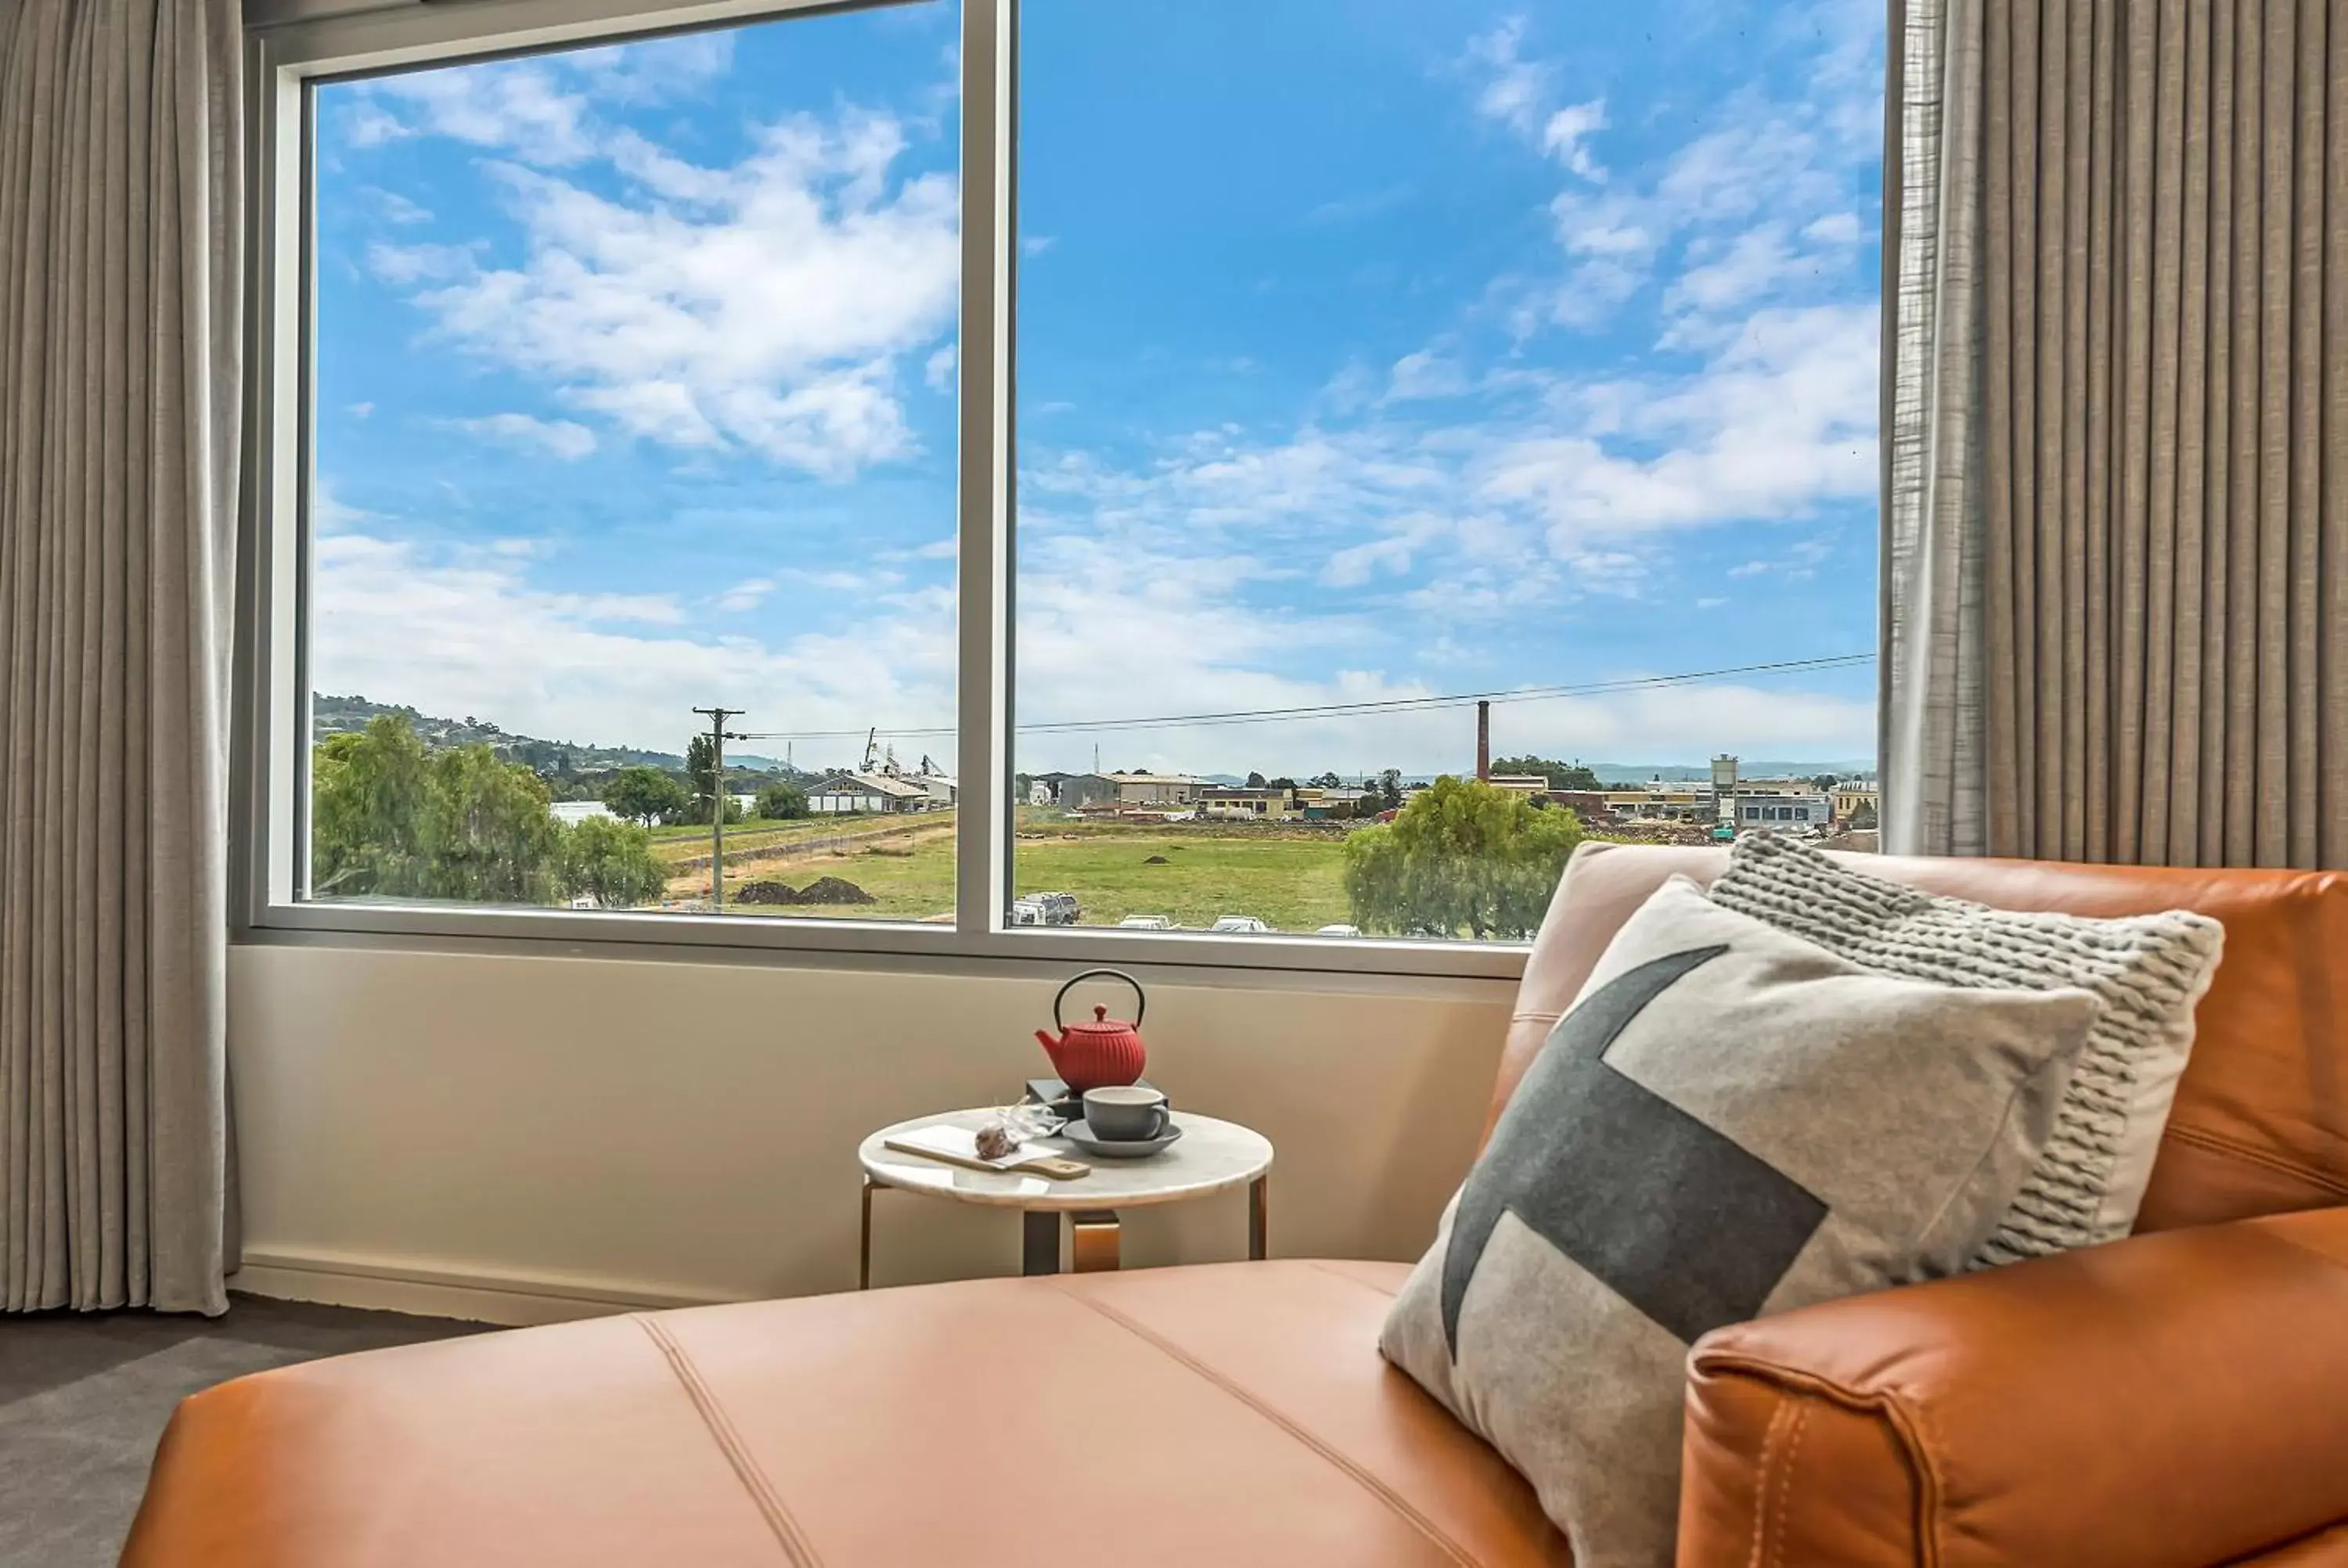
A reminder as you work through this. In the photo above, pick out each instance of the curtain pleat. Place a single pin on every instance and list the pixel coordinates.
(2154, 215)
(121, 212)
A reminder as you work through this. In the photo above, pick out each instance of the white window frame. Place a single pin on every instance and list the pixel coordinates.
(296, 45)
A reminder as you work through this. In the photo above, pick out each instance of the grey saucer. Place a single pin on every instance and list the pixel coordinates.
(1081, 1135)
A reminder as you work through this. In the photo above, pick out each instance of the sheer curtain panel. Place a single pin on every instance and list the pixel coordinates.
(121, 214)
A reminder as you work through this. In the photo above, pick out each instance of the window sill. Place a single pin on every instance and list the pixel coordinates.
(1348, 964)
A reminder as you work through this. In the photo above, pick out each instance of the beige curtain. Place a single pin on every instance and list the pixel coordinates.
(121, 207)
(2117, 491)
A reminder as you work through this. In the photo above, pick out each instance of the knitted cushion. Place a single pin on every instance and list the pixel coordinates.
(2148, 970)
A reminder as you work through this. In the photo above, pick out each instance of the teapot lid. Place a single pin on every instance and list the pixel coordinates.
(1101, 1024)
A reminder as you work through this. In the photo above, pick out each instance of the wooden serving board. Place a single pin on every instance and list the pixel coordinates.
(1055, 1167)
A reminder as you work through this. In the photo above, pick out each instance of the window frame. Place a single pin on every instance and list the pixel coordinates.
(295, 46)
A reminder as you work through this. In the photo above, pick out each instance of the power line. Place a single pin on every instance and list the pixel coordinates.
(1381, 705)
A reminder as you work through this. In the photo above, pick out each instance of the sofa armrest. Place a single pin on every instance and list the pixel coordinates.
(2175, 1400)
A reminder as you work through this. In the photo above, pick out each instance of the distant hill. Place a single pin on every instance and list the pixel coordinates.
(1758, 768)
(335, 716)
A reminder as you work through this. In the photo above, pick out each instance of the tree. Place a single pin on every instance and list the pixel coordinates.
(1461, 857)
(1390, 789)
(1561, 775)
(391, 820)
(1862, 820)
(781, 801)
(612, 863)
(1826, 781)
(1282, 783)
(700, 768)
(1328, 780)
(1255, 780)
(488, 836)
(646, 795)
(367, 790)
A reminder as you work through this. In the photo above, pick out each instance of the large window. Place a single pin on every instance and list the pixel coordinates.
(632, 509)
(1382, 360)
(1381, 446)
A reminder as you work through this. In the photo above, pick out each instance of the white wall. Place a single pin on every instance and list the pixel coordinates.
(526, 1138)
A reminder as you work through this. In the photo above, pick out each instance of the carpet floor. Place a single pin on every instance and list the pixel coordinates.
(84, 1397)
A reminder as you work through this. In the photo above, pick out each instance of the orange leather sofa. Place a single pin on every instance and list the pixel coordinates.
(2175, 1400)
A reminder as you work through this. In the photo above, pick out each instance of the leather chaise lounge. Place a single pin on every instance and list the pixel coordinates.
(2175, 1400)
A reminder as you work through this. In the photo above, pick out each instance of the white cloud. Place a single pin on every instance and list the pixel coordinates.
(394, 208)
(1426, 374)
(1036, 244)
(1513, 88)
(400, 265)
(469, 632)
(1567, 135)
(361, 410)
(1834, 228)
(938, 374)
(763, 307)
(520, 106)
(745, 595)
(1755, 207)
(553, 437)
(1782, 419)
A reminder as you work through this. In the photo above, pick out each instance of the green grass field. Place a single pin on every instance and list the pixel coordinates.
(684, 843)
(1291, 882)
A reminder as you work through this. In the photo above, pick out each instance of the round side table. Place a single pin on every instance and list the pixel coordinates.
(1212, 1156)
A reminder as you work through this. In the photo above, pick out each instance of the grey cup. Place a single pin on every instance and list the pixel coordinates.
(1128, 1113)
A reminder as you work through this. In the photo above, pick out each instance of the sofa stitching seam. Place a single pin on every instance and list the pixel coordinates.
(720, 1427)
(1786, 1486)
(1350, 1279)
(1770, 1436)
(2232, 1148)
(1890, 1404)
(1360, 1476)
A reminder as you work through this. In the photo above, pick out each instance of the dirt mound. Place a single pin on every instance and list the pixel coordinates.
(1157, 860)
(834, 890)
(766, 893)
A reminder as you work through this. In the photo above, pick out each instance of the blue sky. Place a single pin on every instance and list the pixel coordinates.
(1368, 349)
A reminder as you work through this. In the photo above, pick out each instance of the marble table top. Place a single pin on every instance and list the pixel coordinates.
(1210, 1156)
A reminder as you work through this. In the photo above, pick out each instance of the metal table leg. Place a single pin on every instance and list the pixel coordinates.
(1259, 1217)
(864, 1240)
(1039, 1242)
(1094, 1240)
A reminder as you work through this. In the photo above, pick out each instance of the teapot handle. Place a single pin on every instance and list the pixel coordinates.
(1140, 1002)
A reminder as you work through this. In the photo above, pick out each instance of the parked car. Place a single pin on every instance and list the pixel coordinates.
(1239, 926)
(1145, 923)
(1046, 909)
(1338, 931)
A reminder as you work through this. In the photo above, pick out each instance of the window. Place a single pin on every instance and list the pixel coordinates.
(634, 442)
(1425, 436)
(1405, 385)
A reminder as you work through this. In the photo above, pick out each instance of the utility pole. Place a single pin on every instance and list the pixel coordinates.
(717, 801)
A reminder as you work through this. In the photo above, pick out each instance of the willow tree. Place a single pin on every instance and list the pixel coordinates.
(1462, 858)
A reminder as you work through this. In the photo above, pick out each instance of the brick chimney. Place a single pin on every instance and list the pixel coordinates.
(1484, 742)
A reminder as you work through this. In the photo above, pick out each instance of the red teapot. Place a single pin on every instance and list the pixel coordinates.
(1104, 1053)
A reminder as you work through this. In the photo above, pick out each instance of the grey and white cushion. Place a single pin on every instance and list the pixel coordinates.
(2148, 970)
(1730, 1122)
